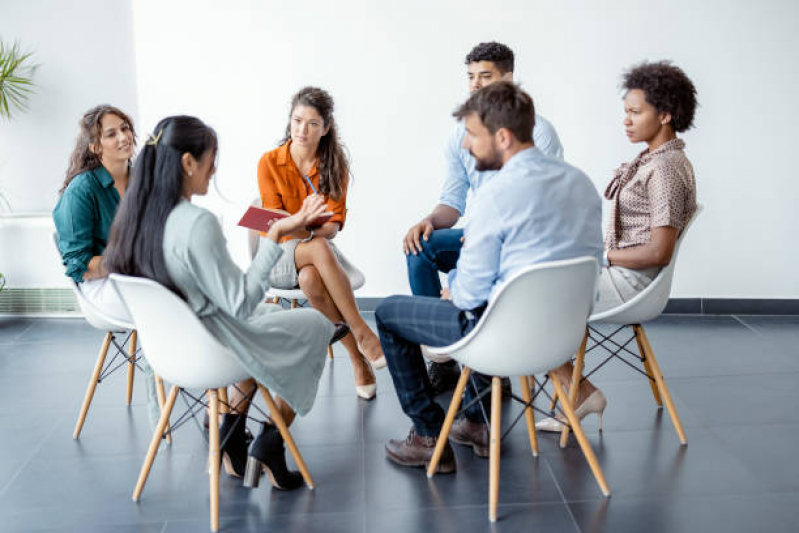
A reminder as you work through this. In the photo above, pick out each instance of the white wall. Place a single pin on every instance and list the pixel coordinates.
(86, 57)
(396, 72)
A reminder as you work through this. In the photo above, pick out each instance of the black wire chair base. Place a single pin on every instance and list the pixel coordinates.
(196, 404)
(121, 352)
(537, 389)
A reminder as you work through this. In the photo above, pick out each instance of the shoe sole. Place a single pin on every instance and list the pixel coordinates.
(441, 469)
(479, 451)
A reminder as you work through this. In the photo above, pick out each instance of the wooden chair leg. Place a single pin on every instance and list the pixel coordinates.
(494, 445)
(330, 352)
(159, 392)
(554, 401)
(294, 304)
(454, 405)
(131, 364)
(155, 442)
(529, 414)
(224, 405)
(276, 300)
(566, 405)
(277, 418)
(574, 390)
(214, 458)
(661, 383)
(648, 367)
(87, 400)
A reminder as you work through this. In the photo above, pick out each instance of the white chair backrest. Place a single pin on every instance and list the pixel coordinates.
(653, 299)
(179, 348)
(91, 312)
(535, 322)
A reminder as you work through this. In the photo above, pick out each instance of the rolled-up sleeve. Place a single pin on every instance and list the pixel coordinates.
(339, 209)
(456, 186)
(74, 221)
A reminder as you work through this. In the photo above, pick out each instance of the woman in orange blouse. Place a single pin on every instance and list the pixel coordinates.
(311, 160)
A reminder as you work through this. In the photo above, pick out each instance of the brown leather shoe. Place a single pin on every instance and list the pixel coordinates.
(469, 433)
(417, 450)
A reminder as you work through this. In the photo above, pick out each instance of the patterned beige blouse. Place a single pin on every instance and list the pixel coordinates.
(656, 189)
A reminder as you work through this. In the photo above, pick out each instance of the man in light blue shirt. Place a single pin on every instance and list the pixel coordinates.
(535, 209)
(431, 246)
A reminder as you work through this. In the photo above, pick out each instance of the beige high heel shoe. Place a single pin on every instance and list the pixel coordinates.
(595, 403)
(378, 363)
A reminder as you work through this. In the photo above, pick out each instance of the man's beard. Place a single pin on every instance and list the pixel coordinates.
(491, 162)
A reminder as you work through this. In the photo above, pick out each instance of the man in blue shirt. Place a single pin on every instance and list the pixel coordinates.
(432, 246)
(535, 209)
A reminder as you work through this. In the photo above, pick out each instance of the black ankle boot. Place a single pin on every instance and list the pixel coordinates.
(233, 444)
(269, 453)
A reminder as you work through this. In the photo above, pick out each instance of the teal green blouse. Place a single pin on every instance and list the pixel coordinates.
(83, 217)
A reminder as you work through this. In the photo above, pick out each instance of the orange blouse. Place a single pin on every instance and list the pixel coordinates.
(282, 186)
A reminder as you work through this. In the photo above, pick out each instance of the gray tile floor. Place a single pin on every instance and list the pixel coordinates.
(734, 381)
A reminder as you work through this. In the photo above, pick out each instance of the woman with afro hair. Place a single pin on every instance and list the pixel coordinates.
(652, 199)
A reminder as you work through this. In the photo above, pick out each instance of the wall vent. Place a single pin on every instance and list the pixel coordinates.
(36, 301)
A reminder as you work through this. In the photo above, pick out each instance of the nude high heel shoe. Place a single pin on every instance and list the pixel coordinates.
(595, 403)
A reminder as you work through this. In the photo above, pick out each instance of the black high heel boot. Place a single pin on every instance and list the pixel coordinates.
(233, 444)
(269, 453)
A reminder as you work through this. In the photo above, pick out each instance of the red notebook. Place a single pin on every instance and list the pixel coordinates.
(258, 218)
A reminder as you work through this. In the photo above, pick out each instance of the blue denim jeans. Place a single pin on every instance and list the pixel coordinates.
(439, 253)
(405, 322)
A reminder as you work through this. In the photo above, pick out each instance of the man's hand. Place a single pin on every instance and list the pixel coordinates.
(411, 243)
(445, 295)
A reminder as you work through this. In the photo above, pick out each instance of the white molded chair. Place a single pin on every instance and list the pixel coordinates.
(357, 278)
(182, 351)
(538, 318)
(646, 306)
(112, 327)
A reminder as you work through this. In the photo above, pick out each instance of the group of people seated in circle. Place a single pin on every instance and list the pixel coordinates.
(526, 205)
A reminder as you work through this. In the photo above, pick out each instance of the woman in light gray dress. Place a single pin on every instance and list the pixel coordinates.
(160, 235)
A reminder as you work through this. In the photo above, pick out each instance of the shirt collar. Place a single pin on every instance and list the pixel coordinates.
(283, 158)
(668, 146)
(103, 176)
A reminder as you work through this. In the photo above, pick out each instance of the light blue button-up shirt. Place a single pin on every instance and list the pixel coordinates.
(535, 209)
(461, 173)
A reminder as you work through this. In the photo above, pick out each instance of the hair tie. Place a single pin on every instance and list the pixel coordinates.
(153, 141)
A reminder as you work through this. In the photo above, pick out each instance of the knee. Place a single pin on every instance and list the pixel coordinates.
(386, 311)
(321, 250)
(311, 283)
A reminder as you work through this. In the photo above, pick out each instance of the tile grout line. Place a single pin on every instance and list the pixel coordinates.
(562, 495)
(747, 326)
(30, 459)
(23, 333)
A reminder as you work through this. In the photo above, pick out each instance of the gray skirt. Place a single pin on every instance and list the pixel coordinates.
(284, 274)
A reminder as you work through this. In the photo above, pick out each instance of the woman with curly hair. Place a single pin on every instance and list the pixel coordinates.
(309, 161)
(95, 182)
(652, 200)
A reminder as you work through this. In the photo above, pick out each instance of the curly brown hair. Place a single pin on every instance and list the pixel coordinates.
(83, 158)
(334, 165)
(666, 87)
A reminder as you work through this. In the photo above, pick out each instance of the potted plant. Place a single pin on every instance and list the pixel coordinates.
(16, 87)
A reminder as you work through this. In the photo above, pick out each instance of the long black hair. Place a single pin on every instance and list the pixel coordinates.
(135, 247)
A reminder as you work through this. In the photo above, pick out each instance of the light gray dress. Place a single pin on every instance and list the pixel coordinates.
(283, 350)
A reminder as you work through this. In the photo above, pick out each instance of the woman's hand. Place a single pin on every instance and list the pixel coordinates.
(311, 209)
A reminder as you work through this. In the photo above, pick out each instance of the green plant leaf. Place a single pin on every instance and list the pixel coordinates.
(16, 79)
